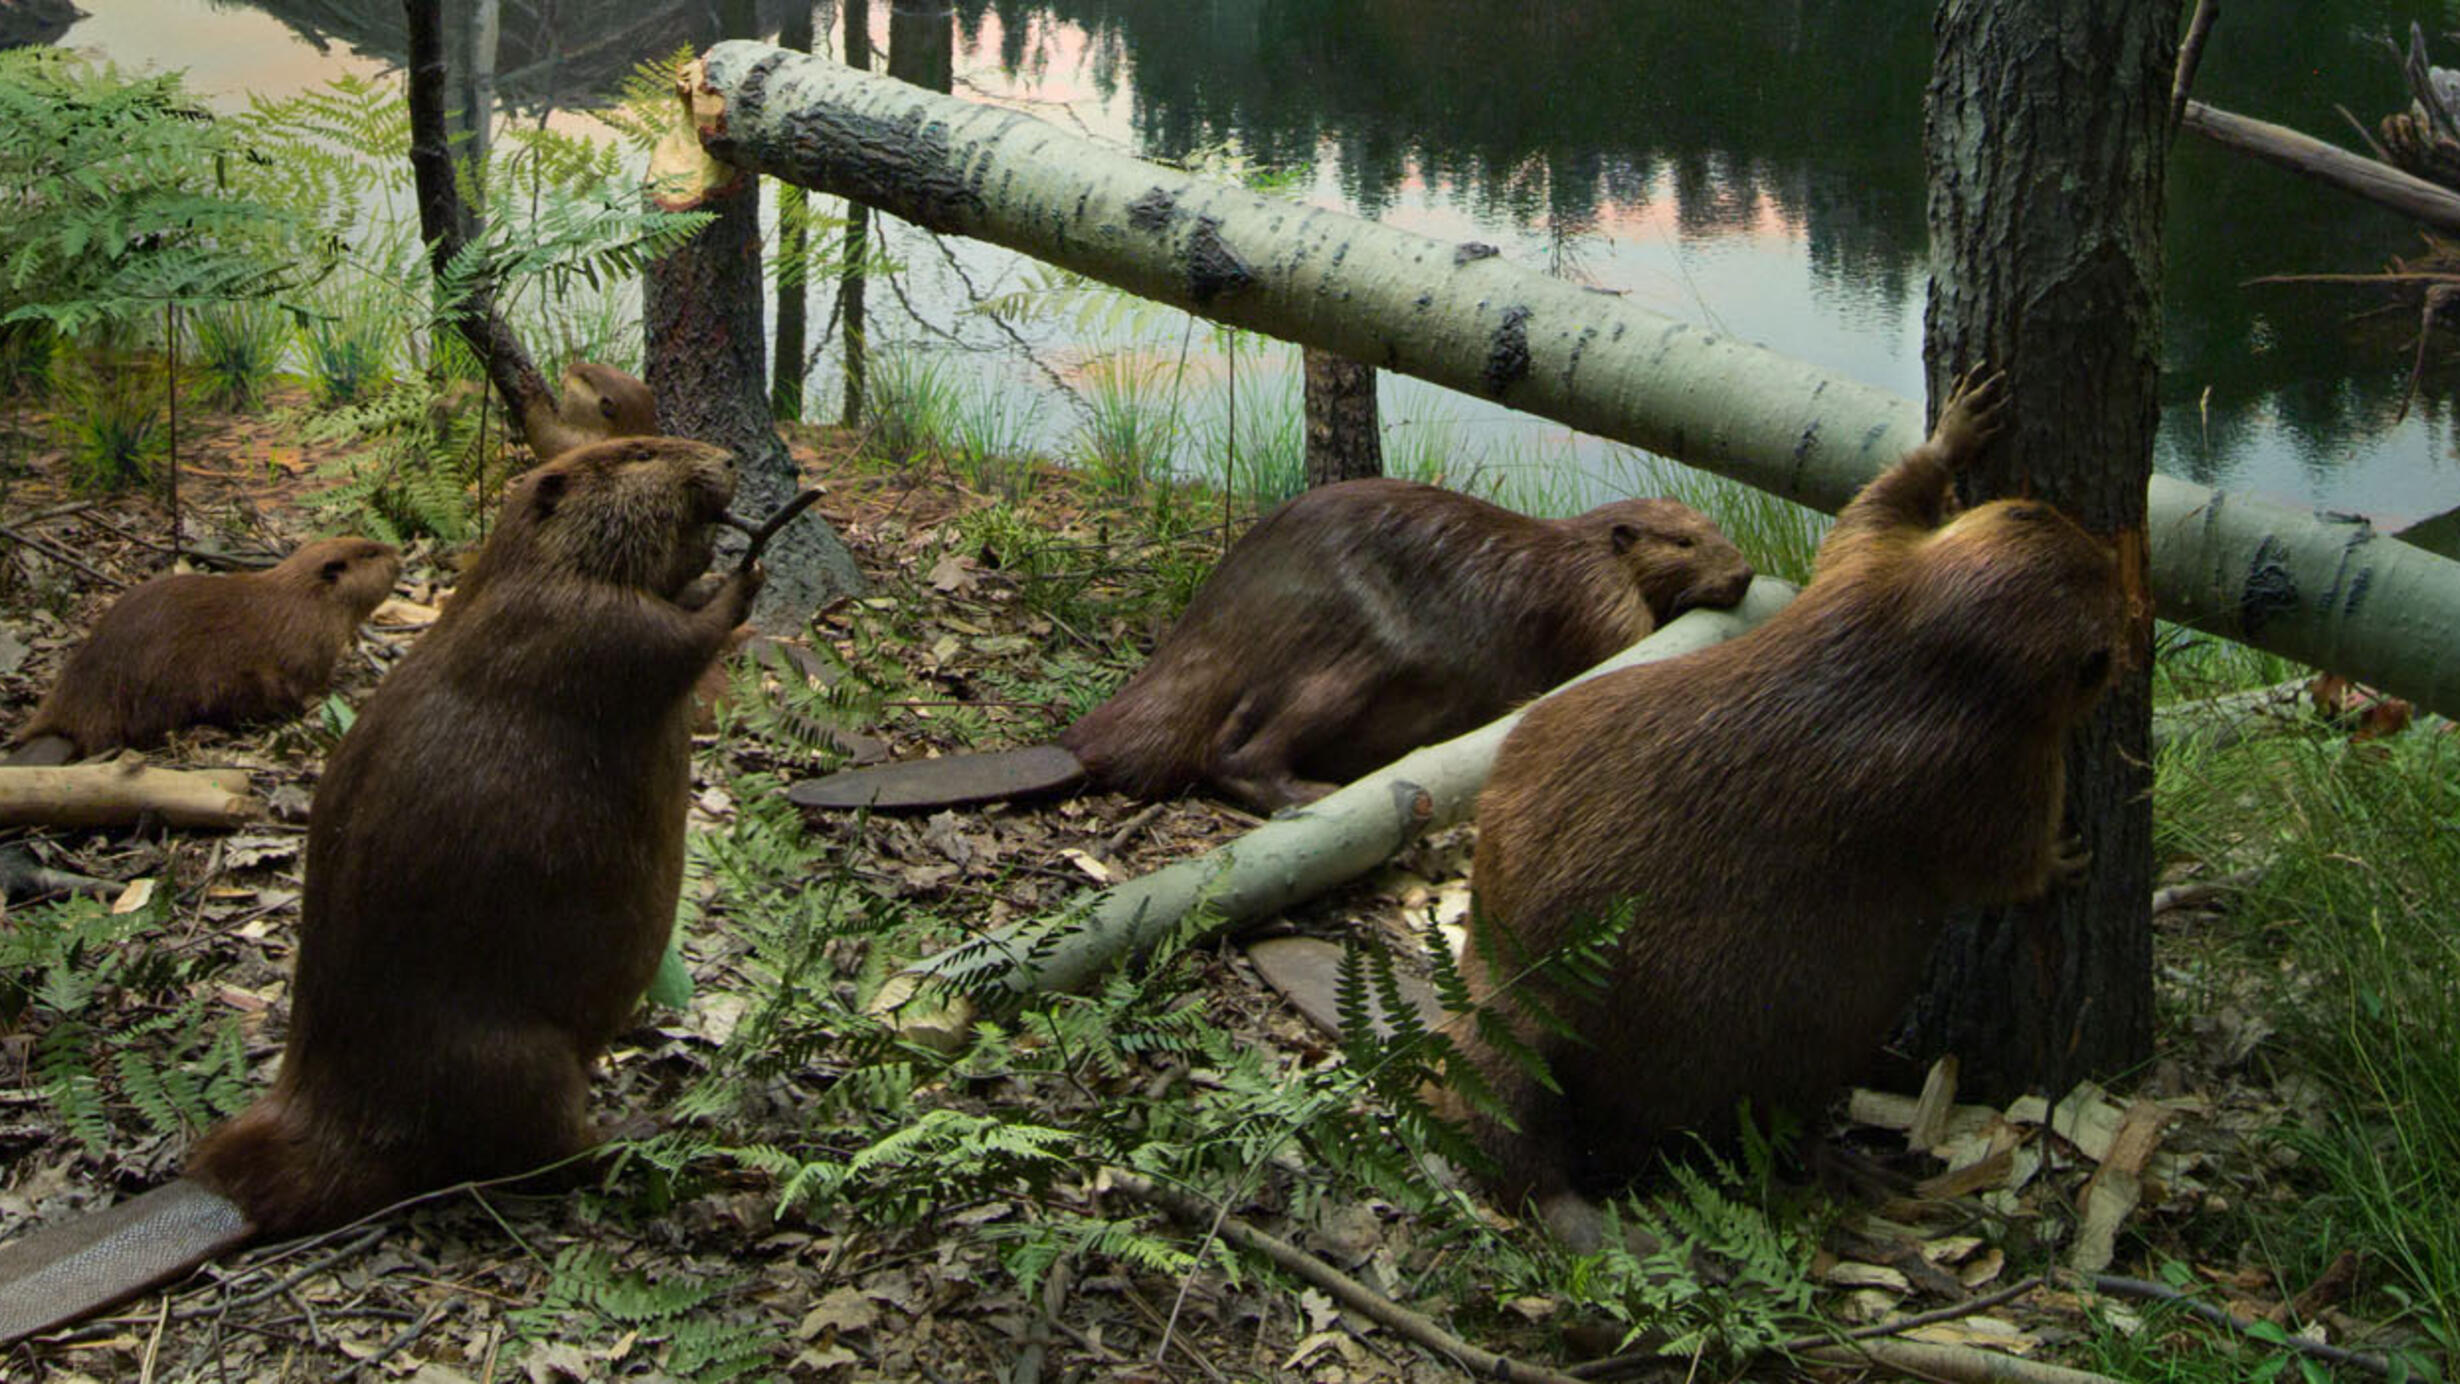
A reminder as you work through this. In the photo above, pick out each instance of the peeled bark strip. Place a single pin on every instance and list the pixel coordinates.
(118, 792)
(2320, 590)
(1289, 858)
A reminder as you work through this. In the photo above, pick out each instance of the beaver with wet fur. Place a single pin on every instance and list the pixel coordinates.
(1788, 818)
(187, 649)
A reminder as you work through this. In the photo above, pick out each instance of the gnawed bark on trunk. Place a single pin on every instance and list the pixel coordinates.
(2324, 590)
(706, 362)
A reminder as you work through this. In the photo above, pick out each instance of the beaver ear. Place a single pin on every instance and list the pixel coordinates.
(332, 571)
(548, 492)
(606, 407)
(1622, 536)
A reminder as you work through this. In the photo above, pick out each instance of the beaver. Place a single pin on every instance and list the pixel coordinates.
(1786, 818)
(185, 649)
(1353, 624)
(596, 402)
(494, 855)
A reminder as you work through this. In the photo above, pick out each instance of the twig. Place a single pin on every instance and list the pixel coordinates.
(2197, 891)
(1189, 1210)
(2118, 1285)
(45, 547)
(2190, 54)
(769, 527)
(1118, 839)
(1615, 1366)
(1954, 1364)
(402, 1339)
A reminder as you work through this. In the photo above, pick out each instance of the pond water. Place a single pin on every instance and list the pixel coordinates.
(1753, 165)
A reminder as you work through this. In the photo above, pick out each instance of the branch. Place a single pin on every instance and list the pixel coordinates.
(1191, 1211)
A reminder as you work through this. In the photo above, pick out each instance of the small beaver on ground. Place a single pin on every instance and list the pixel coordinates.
(185, 649)
(1788, 817)
(1352, 625)
(493, 860)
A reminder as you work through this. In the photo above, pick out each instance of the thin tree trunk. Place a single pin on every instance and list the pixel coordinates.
(1344, 440)
(793, 259)
(447, 225)
(2323, 589)
(704, 362)
(850, 279)
(2047, 137)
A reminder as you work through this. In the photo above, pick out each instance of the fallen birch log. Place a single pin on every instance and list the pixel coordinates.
(2322, 589)
(119, 791)
(1290, 858)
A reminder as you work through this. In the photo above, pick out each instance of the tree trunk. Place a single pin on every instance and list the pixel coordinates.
(850, 277)
(922, 46)
(447, 225)
(1344, 441)
(2323, 589)
(2047, 138)
(701, 315)
(793, 260)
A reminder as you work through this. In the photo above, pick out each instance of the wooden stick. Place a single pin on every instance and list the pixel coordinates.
(1956, 1364)
(2190, 56)
(118, 792)
(768, 530)
(1469, 1359)
(2379, 183)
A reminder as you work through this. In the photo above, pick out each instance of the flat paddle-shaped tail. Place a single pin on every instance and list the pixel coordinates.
(958, 780)
(1306, 973)
(77, 1268)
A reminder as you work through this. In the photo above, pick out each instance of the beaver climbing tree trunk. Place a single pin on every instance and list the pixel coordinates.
(2047, 143)
(706, 361)
(1344, 440)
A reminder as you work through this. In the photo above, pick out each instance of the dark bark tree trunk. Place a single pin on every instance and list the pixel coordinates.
(850, 279)
(922, 43)
(447, 225)
(1344, 440)
(793, 255)
(2047, 139)
(704, 360)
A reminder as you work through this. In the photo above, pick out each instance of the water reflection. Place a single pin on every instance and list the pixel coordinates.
(1754, 164)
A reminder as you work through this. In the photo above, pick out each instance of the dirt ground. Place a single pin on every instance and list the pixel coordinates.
(436, 1293)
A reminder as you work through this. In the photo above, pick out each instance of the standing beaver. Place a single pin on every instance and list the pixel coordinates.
(184, 649)
(493, 861)
(1356, 623)
(1787, 817)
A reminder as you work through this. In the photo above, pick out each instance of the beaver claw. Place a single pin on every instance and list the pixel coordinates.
(2070, 860)
(1970, 417)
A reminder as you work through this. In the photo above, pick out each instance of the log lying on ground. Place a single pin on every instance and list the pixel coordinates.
(119, 791)
(2321, 590)
(1289, 858)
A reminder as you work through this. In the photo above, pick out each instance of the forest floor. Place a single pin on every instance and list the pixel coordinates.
(993, 619)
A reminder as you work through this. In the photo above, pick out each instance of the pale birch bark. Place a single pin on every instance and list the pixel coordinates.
(1290, 858)
(2319, 589)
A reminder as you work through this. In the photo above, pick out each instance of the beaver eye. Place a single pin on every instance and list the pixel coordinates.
(2095, 667)
(1682, 540)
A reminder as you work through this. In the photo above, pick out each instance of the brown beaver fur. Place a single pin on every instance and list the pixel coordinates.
(596, 402)
(1788, 815)
(1364, 619)
(495, 850)
(184, 649)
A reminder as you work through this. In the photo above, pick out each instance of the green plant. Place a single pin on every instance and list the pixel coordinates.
(239, 346)
(123, 198)
(417, 473)
(110, 422)
(1128, 439)
(912, 402)
(72, 973)
(585, 1289)
(348, 357)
